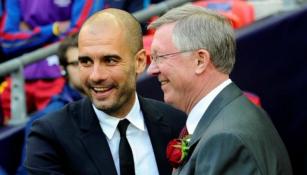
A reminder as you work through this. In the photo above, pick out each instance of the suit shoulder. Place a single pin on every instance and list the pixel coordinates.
(164, 108)
(63, 114)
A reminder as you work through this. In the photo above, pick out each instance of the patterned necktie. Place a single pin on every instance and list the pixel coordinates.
(125, 153)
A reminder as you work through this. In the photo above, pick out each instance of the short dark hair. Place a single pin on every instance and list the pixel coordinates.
(70, 41)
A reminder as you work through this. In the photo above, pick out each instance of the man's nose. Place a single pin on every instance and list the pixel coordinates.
(98, 73)
(153, 69)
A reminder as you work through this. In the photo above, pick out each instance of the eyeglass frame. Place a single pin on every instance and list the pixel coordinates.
(73, 63)
(164, 56)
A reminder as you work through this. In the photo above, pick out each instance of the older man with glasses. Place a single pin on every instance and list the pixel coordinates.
(193, 53)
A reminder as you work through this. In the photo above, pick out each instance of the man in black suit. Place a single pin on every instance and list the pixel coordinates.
(113, 131)
(193, 53)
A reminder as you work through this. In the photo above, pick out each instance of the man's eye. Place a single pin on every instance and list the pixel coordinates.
(111, 60)
(85, 62)
(161, 57)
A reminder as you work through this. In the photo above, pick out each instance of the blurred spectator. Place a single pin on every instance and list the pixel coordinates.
(1, 117)
(1, 9)
(1, 22)
(130, 6)
(31, 24)
(3, 85)
(68, 54)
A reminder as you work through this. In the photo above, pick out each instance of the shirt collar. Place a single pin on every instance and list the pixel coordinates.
(109, 123)
(200, 108)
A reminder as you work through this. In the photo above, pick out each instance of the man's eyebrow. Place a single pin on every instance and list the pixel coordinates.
(112, 56)
(102, 57)
(83, 57)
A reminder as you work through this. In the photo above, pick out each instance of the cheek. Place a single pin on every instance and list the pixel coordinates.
(73, 71)
(171, 72)
(83, 74)
(167, 70)
(123, 73)
(180, 80)
(76, 78)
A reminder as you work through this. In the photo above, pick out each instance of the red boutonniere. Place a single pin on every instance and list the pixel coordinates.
(177, 151)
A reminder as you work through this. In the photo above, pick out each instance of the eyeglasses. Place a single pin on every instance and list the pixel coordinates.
(158, 58)
(73, 63)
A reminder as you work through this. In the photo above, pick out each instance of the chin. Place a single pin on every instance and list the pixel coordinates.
(172, 102)
(102, 105)
(168, 101)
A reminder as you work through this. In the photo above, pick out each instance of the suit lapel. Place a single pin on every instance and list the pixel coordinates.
(228, 94)
(159, 132)
(95, 141)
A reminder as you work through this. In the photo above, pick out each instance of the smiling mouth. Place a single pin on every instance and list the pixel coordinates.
(163, 82)
(101, 89)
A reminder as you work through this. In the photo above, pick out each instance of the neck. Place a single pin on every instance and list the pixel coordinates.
(204, 86)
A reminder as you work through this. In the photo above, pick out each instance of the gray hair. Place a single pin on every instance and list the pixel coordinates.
(200, 28)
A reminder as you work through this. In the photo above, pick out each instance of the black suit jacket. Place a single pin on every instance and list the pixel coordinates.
(234, 137)
(71, 141)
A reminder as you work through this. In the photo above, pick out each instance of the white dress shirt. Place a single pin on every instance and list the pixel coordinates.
(200, 108)
(138, 138)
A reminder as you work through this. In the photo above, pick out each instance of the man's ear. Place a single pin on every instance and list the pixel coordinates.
(202, 60)
(140, 61)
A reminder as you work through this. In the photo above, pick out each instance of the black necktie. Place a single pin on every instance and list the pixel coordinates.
(125, 153)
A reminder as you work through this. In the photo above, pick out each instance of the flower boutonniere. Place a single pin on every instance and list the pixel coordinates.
(177, 151)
